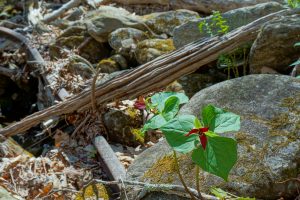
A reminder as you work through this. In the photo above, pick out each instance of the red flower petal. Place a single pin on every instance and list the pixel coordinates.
(203, 140)
(140, 105)
(193, 131)
(203, 130)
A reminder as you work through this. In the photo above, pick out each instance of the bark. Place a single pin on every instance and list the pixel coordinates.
(150, 76)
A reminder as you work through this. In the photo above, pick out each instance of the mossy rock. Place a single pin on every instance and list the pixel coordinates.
(274, 46)
(150, 49)
(124, 40)
(268, 141)
(93, 191)
(189, 32)
(122, 126)
(165, 22)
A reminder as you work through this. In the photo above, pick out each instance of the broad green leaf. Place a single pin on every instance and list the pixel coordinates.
(219, 156)
(160, 98)
(297, 44)
(154, 123)
(219, 120)
(175, 130)
(226, 122)
(171, 108)
(209, 113)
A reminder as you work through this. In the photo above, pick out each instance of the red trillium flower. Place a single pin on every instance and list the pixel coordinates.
(140, 104)
(201, 133)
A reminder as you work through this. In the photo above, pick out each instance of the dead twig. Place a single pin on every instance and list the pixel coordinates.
(156, 187)
(59, 12)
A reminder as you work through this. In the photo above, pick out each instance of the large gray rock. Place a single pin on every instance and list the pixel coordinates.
(274, 46)
(189, 32)
(165, 22)
(268, 141)
(101, 22)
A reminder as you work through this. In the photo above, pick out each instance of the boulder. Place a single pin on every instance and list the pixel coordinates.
(274, 46)
(268, 141)
(165, 22)
(76, 37)
(101, 22)
(150, 49)
(193, 83)
(112, 64)
(123, 126)
(124, 40)
(189, 32)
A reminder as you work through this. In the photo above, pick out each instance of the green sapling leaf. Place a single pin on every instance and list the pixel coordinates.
(175, 130)
(219, 120)
(219, 156)
(154, 123)
(171, 108)
(160, 98)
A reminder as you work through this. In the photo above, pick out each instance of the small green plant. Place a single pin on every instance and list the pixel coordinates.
(218, 25)
(294, 3)
(186, 133)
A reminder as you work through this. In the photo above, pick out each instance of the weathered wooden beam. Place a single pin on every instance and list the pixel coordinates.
(152, 75)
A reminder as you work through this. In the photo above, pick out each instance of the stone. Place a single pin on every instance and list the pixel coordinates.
(75, 37)
(150, 49)
(201, 6)
(124, 40)
(123, 126)
(112, 64)
(165, 22)
(189, 32)
(101, 22)
(193, 83)
(274, 46)
(268, 141)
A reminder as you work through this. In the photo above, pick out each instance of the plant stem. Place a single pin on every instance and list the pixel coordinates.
(198, 182)
(181, 178)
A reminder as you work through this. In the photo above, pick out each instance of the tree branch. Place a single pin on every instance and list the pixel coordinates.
(152, 75)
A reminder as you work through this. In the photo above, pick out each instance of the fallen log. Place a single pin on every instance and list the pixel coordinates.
(150, 76)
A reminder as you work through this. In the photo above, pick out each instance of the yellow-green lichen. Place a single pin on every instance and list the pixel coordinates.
(163, 171)
(139, 135)
(93, 191)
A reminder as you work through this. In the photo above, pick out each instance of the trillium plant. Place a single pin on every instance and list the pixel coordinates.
(210, 151)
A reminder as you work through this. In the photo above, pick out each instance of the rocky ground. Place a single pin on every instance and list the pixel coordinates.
(47, 59)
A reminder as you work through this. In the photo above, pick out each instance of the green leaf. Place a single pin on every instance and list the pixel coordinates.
(219, 120)
(219, 156)
(297, 44)
(295, 63)
(160, 98)
(154, 123)
(197, 123)
(175, 130)
(171, 108)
